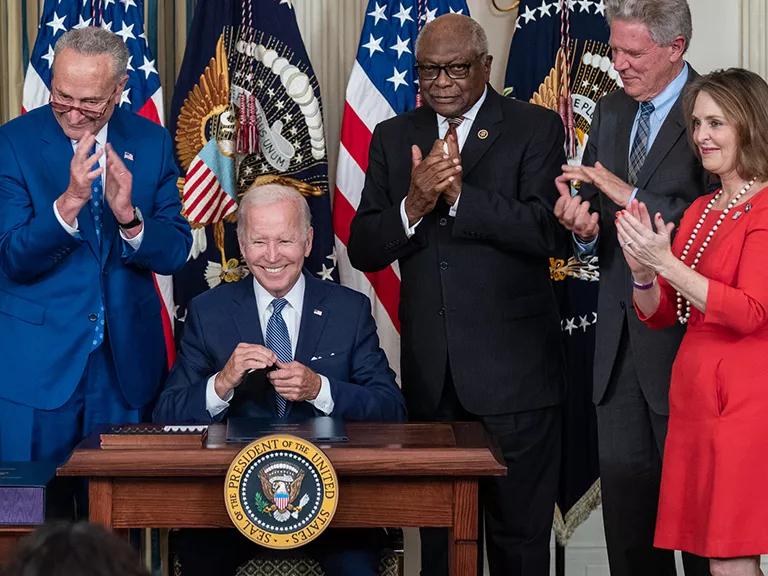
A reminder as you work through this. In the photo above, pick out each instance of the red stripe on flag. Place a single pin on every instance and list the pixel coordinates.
(170, 345)
(355, 136)
(385, 282)
(149, 111)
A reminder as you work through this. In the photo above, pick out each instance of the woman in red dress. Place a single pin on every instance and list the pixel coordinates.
(714, 279)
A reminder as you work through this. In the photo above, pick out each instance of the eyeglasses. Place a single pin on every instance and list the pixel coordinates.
(92, 112)
(454, 71)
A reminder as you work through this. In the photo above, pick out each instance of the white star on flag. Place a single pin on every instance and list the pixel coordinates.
(400, 46)
(459, 11)
(529, 14)
(148, 67)
(374, 45)
(49, 56)
(106, 3)
(57, 23)
(585, 4)
(126, 32)
(83, 23)
(326, 273)
(544, 8)
(430, 15)
(287, 3)
(124, 97)
(106, 25)
(397, 78)
(129, 66)
(378, 13)
(404, 14)
(600, 8)
(127, 4)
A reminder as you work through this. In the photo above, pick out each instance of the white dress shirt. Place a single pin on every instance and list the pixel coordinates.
(101, 140)
(292, 316)
(462, 132)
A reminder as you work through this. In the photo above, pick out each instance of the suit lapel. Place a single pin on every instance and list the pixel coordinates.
(488, 123)
(313, 318)
(56, 155)
(670, 132)
(245, 313)
(626, 118)
(424, 129)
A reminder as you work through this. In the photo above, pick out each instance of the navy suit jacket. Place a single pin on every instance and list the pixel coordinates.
(337, 338)
(51, 283)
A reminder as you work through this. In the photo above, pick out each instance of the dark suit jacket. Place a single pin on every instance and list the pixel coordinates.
(337, 338)
(475, 289)
(669, 181)
(51, 283)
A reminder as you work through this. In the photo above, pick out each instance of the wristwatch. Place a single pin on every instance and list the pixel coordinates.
(137, 219)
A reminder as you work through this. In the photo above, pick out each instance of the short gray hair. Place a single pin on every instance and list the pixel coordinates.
(93, 41)
(665, 19)
(478, 40)
(266, 194)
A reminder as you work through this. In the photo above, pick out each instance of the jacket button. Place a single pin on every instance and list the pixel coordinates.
(443, 265)
(441, 312)
(93, 317)
(443, 221)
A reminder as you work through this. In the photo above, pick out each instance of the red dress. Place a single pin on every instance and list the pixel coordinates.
(714, 487)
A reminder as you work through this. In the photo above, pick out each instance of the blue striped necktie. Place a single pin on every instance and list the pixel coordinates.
(96, 205)
(640, 144)
(279, 341)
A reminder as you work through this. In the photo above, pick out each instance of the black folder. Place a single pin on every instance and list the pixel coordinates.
(320, 429)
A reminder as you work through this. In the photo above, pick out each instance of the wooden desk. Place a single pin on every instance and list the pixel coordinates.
(406, 475)
(9, 539)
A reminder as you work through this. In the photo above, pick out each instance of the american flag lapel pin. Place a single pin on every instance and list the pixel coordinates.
(128, 156)
(318, 312)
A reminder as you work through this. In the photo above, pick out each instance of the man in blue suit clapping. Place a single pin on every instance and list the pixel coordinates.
(88, 210)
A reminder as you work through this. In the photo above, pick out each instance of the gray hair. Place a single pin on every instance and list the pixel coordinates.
(93, 41)
(267, 194)
(665, 19)
(478, 41)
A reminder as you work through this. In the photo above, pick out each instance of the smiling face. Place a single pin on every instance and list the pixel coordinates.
(645, 67)
(86, 82)
(715, 137)
(274, 244)
(447, 41)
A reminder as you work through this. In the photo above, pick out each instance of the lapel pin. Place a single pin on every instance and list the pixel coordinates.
(318, 312)
(736, 215)
(128, 156)
(748, 207)
(482, 134)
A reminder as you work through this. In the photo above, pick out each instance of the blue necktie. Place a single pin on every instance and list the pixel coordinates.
(640, 145)
(97, 207)
(279, 341)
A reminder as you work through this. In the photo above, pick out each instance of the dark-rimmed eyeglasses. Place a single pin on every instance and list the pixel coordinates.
(457, 71)
(92, 112)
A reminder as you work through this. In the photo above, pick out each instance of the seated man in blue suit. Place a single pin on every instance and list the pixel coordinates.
(88, 210)
(319, 336)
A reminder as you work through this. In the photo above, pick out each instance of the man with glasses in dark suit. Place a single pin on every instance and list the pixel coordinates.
(460, 192)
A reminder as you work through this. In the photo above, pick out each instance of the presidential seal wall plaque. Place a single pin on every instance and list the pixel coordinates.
(281, 491)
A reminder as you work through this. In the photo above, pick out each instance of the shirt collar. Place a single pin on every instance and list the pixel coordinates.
(295, 296)
(672, 91)
(470, 114)
(101, 137)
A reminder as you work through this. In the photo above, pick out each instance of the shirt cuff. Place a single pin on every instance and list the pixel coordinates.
(409, 230)
(454, 207)
(72, 231)
(134, 242)
(631, 197)
(584, 249)
(213, 403)
(324, 400)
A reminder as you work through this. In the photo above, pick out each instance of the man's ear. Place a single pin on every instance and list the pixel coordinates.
(678, 46)
(308, 246)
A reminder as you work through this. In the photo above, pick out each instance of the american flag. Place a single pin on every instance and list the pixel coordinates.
(142, 94)
(382, 84)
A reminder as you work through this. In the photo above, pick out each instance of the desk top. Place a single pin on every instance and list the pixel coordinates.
(374, 449)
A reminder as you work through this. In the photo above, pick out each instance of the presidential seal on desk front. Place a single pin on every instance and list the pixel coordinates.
(281, 491)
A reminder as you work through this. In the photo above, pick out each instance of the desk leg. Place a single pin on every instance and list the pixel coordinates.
(100, 501)
(463, 535)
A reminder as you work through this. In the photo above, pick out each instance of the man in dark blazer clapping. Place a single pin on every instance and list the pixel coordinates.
(460, 192)
(637, 148)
